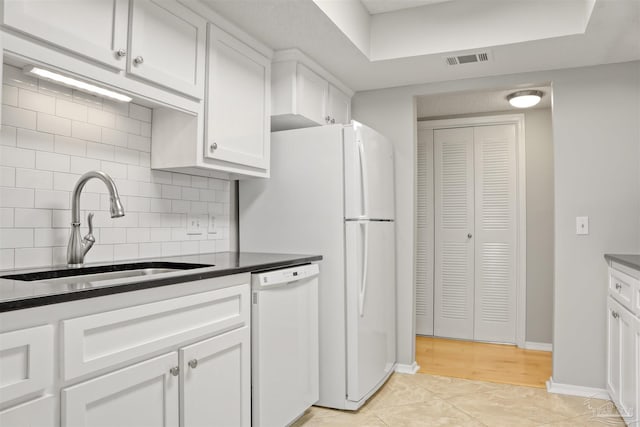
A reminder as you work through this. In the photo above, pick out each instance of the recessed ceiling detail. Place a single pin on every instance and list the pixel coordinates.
(383, 6)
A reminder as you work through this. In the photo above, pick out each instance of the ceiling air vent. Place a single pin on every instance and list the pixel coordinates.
(468, 58)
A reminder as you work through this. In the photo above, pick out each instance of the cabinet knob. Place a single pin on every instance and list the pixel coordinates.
(193, 364)
(615, 314)
(213, 146)
(618, 286)
(469, 236)
(121, 53)
(327, 119)
(138, 60)
(333, 120)
(175, 371)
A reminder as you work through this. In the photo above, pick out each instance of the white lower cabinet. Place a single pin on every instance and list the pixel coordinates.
(35, 413)
(216, 382)
(145, 394)
(623, 353)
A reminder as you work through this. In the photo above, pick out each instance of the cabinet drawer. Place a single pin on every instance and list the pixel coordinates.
(623, 287)
(25, 358)
(102, 340)
(37, 413)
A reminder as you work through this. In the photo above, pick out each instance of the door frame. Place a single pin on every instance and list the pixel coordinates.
(521, 203)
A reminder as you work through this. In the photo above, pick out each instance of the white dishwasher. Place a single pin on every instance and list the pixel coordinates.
(284, 341)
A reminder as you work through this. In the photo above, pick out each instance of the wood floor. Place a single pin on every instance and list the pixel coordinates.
(485, 362)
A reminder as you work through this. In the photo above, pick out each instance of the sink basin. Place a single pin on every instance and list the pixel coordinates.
(106, 272)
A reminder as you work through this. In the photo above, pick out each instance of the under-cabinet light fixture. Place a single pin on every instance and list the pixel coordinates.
(74, 83)
(524, 98)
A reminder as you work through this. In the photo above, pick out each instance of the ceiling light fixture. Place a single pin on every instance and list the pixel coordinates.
(524, 98)
(74, 83)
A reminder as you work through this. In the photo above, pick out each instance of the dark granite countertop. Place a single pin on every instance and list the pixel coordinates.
(630, 260)
(17, 294)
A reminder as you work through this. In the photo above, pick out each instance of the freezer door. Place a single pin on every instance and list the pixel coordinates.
(369, 176)
(371, 291)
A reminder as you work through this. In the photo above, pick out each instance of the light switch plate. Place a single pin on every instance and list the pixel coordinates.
(194, 224)
(582, 225)
(211, 226)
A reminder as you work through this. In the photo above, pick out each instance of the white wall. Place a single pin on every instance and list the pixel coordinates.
(50, 136)
(596, 137)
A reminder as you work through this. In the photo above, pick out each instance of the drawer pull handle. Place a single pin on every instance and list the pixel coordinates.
(175, 371)
(618, 286)
(193, 364)
(615, 314)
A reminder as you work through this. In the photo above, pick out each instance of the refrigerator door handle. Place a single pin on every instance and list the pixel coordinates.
(363, 179)
(365, 267)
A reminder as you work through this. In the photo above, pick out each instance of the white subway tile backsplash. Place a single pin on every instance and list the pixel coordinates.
(72, 146)
(47, 199)
(17, 117)
(33, 218)
(32, 257)
(52, 161)
(16, 238)
(86, 131)
(53, 124)
(10, 95)
(34, 140)
(7, 176)
(36, 101)
(100, 151)
(101, 118)
(50, 136)
(71, 110)
(33, 178)
(8, 136)
(6, 218)
(16, 197)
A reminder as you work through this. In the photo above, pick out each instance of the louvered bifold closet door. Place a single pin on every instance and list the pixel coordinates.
(495, 233)
(424, 234)
(454, 213)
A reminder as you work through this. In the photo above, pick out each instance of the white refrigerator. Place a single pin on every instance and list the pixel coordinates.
(331, 192)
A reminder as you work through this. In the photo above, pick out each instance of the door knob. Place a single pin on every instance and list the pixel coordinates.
(469, 235)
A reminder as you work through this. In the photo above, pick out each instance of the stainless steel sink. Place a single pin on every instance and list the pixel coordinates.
(105, 272)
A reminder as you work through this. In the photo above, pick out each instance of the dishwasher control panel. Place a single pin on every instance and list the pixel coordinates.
(284, 276)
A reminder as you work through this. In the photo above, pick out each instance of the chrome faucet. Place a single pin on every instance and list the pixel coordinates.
(78, 247)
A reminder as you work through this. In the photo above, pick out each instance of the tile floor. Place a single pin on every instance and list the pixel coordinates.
(429, 400)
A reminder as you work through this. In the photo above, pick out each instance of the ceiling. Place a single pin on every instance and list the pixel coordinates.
(383, 6)
(612, 34)
(458, 103)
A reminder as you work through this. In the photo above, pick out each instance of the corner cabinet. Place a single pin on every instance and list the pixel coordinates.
(623, 341)
(230, 138)
(305, 95)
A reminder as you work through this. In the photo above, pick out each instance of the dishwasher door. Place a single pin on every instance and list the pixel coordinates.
(284, 339)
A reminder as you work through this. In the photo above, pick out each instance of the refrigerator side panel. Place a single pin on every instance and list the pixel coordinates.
(369, 174)
(300, 209)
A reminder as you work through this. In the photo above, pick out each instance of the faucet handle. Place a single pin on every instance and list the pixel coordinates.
(89, 239)
(90, 221)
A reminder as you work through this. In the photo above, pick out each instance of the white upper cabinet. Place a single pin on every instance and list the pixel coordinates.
(167, 44)
(96, 29)
(238, 102)
(304, 94)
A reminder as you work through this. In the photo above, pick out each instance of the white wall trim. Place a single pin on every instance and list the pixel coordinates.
(521, 246)
(538, 346)
(407, 369)
(577, 390)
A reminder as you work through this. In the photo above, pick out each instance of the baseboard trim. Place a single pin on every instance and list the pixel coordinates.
(407, 369)
(576, 390)
(538, 346)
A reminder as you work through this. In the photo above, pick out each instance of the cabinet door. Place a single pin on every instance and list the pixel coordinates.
(338, 106)
(167, 45)
(311, 95)
(96, 29)
(613, 350)
(216, 381)
(238, 102)
(628, 363)
(145, 394)
(35, 413)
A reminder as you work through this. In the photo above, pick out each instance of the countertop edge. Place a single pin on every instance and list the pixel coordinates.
(38, 301)
(628, 260)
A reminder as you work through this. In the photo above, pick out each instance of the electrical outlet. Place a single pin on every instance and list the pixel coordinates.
(582, 225)
(211, 226)
(194, 224)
